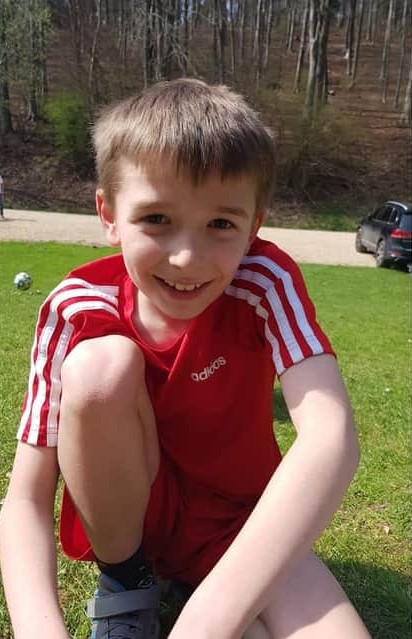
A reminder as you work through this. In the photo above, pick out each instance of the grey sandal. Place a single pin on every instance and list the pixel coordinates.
(124, 614)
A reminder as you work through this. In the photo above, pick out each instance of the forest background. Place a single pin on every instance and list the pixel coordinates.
(332, 78)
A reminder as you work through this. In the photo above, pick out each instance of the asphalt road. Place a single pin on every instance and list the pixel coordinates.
(314, 247)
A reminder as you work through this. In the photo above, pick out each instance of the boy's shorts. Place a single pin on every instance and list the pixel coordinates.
(187, 527)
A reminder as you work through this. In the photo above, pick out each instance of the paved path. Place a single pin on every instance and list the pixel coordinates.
(316, 247)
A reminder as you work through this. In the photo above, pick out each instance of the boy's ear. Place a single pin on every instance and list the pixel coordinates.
(257, 223)
(107, 218)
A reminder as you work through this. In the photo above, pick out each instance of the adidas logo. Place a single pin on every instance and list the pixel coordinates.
(208, 371)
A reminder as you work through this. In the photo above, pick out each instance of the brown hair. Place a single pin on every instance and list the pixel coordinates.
(201, 127)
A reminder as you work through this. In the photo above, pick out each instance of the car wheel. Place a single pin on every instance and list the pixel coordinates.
(358, 242)
(380, 255)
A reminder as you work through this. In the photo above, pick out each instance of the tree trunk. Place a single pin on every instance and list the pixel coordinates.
(5, 114)
(350, 30)
(407, 105)
(268, 33)
(316, 90)
(257, 53)
(76, 27)
(291, 27)
(402, 51)
(219, 40)
(242, 30)
(232, 42)
(302, 47)
(92, 85)
(148, 43)
(361, 12)
(385, 55)
(371, 22)
(186, 37)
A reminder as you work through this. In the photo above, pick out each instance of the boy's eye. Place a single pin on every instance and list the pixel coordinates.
(220, 223)
(155, 218)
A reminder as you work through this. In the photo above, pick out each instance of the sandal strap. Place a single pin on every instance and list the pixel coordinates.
(121, 603)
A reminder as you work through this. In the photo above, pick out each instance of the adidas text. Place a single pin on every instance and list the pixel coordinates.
(208, 371)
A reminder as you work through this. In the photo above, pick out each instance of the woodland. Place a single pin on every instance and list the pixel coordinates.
(332, 79)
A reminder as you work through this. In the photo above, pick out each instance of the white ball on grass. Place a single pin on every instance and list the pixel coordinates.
(22, 281)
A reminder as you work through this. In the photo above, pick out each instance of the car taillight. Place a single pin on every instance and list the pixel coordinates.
(401, 235)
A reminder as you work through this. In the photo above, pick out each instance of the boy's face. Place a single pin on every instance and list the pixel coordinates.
(181, 242)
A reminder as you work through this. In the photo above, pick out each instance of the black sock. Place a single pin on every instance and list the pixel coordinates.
(134, 572)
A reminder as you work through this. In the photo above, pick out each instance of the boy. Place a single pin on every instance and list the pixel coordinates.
(151, 392)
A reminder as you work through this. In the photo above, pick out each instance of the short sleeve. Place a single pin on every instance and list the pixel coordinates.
(272, 282)
(73, 312)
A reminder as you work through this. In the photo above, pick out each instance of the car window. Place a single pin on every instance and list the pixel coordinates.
(386, 215)
(393, 216)
(406, 222)
(377, 215)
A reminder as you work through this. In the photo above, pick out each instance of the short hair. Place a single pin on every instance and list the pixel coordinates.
(203, 128)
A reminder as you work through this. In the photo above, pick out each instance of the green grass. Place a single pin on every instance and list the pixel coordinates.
(366, 313)
(333, 217)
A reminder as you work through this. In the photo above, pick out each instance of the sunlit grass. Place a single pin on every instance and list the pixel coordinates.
(366, 313)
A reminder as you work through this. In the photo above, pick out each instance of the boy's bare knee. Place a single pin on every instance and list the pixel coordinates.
(101, 371)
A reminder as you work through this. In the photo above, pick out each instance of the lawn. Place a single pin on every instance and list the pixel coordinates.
(367, 314)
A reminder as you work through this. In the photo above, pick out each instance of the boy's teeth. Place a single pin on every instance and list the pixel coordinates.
(182, 287)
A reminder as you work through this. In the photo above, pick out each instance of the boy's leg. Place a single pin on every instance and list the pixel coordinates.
(310, 604)
(109, 457)
(108, 450)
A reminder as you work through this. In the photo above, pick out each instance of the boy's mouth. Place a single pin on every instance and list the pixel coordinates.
(179, 286)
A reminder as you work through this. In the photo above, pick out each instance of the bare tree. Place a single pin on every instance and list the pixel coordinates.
(316, 90)
(232, 41)
(219, 39)
(291, 26)
(371, 21)
(5, 113)
(384, 73)
(302, 47)
(402, 51)
(148, 42)
(77, 29)
(268, 31)
(407, 105)
(361, 11)
(350, 33)
(242, 25)
(258, 41)
(92, 86)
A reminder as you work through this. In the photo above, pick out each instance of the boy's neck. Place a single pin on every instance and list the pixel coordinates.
(154, 328)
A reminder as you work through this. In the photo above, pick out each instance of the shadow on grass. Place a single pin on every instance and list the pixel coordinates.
(380, 596)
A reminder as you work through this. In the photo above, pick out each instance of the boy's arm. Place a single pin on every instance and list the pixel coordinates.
(27, 545)
(296, 506)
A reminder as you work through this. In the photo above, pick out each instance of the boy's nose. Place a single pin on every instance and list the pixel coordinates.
(184, 252)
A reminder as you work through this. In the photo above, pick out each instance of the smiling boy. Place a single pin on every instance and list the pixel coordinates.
(151, 392)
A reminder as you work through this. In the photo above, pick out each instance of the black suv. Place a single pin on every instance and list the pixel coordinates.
(387, 232)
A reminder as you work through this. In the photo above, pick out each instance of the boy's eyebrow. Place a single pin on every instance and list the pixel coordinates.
(157, 204)
(232, 210)
(151, 204)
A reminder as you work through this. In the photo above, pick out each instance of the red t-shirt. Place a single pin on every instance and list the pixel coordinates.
(212, 391)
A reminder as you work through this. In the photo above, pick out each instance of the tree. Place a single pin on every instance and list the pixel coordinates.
(386, 48)
(5, 113)
(302, 47)
(407, 105)
(317, 84)
(361, 11)
(402, 51)
(350, 32)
